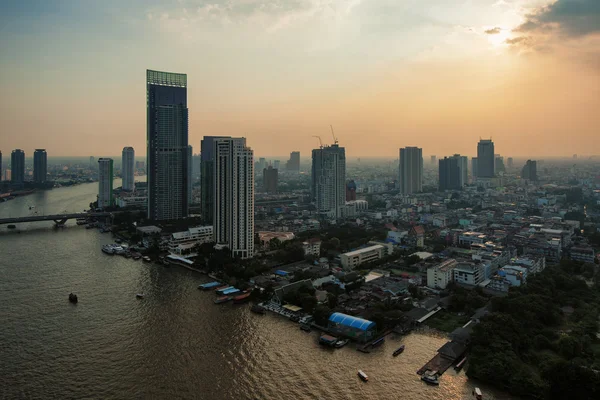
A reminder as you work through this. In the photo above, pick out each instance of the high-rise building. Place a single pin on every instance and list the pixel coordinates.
(485, 158)
(499, 164)
(450, 173)
(329, 180)
(140, 165)
(207, 173)
(92, 162)
(270, 176)
(463, 165)
(433, 160)
(167, 138)
(127, 163)
(351, 190)
(293, 164)
(276, 164)
(261, 164)
(40, 166)
(17, 166)
(411, 170)
(233, 218)
(105, 182)
(529, 171)
(1, 166)
(510, 162)
(190, 170)
(474, 167)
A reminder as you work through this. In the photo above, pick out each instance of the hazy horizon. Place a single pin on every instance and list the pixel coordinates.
(385, 73)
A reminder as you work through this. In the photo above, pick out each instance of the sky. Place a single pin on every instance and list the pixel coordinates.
(385, 74)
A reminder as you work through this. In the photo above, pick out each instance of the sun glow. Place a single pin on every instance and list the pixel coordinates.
(499, 39)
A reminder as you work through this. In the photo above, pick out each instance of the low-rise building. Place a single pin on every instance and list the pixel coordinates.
(354, 258)
(534, 264)
(580, 253)
(439, 276)
(132, 201)
(469, 273)
(507, 277)
(312, 247)
(466, 239)
(183, 243)
(416, 236)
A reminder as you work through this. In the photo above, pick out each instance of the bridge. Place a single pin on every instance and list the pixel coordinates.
(59, 219)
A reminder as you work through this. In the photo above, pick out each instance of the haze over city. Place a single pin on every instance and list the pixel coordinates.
(385, 73)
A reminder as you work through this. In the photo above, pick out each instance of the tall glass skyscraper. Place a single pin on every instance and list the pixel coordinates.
(127, 169)
(411, 170)
(40, 165)
(329, 180)
(207, 183)
(17, 166)
(485, 158)
(167, 144)
(105, 182)
(233, 194)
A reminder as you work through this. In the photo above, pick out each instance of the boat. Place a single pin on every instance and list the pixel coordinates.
(327, 340)
(11, 226)
(477, 394)
(73, 298)
(398, 351)
(362, 375)
(258, 309)
(305, 327)
(242, 298)
(223, 299)
(209, 285)
(146, 259)
(295, 318)
(430, 377)
(139, 295)
(378, 342)
(108, 249)
(341, 343)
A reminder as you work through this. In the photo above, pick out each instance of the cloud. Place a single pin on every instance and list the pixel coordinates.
(493, 31)
(517, 40)
(572, 18)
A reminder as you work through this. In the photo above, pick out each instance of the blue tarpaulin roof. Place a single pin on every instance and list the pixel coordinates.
(281, 272)
(349, 320)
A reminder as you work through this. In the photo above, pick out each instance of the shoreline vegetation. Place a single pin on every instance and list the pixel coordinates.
(542, 341)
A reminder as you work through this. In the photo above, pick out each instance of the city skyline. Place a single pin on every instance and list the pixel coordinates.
(521, 69)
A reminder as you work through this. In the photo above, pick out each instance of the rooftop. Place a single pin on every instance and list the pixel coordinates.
(363, 250)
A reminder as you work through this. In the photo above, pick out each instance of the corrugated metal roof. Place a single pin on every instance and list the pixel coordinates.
(351, 321)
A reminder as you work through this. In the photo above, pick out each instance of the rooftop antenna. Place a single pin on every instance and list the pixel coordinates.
(335, 141)
(320, 141)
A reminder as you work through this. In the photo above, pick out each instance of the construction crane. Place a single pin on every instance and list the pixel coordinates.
(320, 141)
(335, 141)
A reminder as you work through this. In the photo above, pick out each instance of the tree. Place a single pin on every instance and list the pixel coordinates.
(321, 314)
(332, 300)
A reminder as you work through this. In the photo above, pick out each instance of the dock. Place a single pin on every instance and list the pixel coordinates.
(447, 355)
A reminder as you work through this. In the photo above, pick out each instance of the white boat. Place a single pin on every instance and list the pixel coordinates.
(108, 249)
(139, 295)
(118, 249)
(362, 375)
(430, 377)
(477, 394)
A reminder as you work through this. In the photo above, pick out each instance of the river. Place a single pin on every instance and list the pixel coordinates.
(175, 343)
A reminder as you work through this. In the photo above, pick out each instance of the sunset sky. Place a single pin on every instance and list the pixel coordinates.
(437, 74)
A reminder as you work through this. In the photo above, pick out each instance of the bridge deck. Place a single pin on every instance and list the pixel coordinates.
(57, 217)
